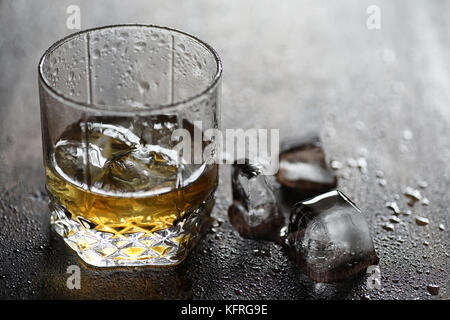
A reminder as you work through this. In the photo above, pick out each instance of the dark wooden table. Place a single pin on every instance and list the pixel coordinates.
(295, 65)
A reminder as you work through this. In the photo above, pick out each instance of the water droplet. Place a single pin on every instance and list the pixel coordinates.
(423, 184)
(407, 212)
(421, 221)
(335, 165)
(139, 46)
(407, 135)
(379, 174)
(393, 206)
(96, 54)
(413, 194)
(143, 86)
(388, 226)
(394, 219)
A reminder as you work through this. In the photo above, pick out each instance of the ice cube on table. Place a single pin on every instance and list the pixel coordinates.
(254, 212)
(304, 171)
(329, 237)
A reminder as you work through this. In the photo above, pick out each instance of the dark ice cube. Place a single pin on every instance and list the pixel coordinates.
(304, 171)
(254, 212)
(330, 238)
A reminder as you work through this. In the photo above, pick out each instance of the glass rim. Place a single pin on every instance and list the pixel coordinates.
(121, 109)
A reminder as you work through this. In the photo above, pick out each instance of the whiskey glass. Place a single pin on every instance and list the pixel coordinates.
(122, 191)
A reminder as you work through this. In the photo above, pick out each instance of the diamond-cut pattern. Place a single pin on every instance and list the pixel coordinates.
(161, 248)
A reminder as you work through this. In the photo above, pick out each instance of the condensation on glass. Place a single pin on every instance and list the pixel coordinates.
(111, 97)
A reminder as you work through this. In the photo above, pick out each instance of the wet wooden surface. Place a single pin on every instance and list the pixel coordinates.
(293, 65)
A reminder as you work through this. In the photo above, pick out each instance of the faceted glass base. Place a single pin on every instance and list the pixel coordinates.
(162, 248)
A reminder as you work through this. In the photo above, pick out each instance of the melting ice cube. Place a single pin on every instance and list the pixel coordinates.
(254, 212)
(329, 238)
(303, 168)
